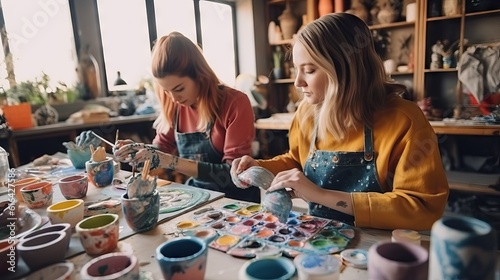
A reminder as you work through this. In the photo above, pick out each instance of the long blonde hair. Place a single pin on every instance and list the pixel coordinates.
(175, 54)
(341, 45)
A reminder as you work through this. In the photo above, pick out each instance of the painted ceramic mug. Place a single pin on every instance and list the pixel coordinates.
(99, 234)
(182, 258)
(74, 186)
(38, 194)
(67, 211)
(100, 173)
(462, 248)
(112, 266)
(397, 261)
(141, 213)
(19, 184)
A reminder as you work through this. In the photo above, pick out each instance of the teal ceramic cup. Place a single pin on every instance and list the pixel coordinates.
(78, 157)
(141, 213)
(277, 268)
(182, 258)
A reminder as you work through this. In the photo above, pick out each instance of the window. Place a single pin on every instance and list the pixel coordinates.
(125, 41)
(217, 34)
(40, 38)
(218, 39)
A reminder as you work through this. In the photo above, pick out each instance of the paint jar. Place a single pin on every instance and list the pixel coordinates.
(317, 267)
(405, 235)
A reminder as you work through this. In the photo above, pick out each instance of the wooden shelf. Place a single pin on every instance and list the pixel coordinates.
(441, 70)
(482, 13)
(392, 25)
(284, 81)
(472, 182)
(444, 18)
(441, 127)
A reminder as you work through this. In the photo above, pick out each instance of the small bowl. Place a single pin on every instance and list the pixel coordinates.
(68, 211)
(57, 271)
(8, 255)
(64, 227)
(37, 194)
(19, 184)
(111, 266)
(44, 249)
(74, 186)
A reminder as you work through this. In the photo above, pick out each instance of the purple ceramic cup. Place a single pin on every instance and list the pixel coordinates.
(74, 186)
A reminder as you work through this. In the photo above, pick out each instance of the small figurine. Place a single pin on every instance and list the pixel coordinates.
(437, 56)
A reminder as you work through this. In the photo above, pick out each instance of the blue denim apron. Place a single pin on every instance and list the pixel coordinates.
(198, 146)
(342, 171)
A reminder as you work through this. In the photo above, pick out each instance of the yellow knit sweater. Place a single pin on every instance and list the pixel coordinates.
(408, 164)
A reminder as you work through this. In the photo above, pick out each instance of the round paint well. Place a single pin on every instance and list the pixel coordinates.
(231, 207)
(258, 217)
(252, 244)
(202, 211)
(244, 212)
(264, 233)
(254, 208)
(270, 225)
(227, 240)
(295, 243)
(308, 226)
(339, 240)
(320, 243)
(299, 234)
(271, 218)
(214, 215)
(218, 225)
(305, 218)
(186, 225)
(293, 222)
(204, 234)
(249, 223)
(277, 238)
(286, 231)
(233, 219)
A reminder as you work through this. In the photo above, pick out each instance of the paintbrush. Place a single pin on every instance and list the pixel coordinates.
(103, 140)
(116, 136)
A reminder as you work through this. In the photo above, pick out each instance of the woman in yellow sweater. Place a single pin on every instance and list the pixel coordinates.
(359, 153)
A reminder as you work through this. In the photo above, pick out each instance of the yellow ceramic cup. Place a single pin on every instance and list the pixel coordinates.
(67, 211)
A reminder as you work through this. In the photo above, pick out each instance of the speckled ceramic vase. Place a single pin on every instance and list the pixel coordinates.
(462, 248)
(141, 213)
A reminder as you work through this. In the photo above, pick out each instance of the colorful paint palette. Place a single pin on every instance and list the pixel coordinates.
(246, 230)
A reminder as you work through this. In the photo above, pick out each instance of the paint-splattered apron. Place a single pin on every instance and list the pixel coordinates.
(342, 171)
(198, 146)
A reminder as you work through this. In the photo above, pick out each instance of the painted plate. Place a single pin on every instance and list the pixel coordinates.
(31, 220)
(174, 199)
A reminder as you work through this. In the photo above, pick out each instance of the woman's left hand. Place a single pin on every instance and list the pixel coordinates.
(296, 180)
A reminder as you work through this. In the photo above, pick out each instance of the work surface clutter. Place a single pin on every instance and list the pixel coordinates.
(60, 222)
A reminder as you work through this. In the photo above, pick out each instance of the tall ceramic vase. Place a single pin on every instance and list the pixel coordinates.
(462, 248)
(288, 22)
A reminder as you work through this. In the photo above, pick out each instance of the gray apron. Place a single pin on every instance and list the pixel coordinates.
(198, 146)
(342, 171)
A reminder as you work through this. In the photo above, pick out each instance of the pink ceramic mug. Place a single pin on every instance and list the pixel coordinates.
(111, 266)
(397, 261)
(74, 186)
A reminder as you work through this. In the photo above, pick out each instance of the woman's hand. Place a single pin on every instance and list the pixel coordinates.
(239, 165)
(296, 180)
(136, 153)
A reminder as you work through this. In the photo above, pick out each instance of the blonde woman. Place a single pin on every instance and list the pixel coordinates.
(203, 125)
(359, 153)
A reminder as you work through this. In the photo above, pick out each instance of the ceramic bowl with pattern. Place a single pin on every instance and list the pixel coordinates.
(43, 249)
(19, 184)
(38, 194)
(100, 173)
(112, 266)
(74, 186)
(66, 211)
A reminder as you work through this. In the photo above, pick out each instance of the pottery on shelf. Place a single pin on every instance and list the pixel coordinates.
(288, 22)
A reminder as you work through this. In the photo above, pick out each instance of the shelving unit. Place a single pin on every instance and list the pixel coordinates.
(441, 85)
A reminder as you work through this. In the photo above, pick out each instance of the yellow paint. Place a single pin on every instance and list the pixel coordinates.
(244, 212)
(186, 224)
(254, 208)
(227, 240)
(65, 205)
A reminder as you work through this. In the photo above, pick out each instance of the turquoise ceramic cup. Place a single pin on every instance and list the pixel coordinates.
(182, 258)
(78, 157)
(141, 213)
(277, 268)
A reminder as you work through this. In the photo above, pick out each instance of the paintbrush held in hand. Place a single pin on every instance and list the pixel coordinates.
(143, 184)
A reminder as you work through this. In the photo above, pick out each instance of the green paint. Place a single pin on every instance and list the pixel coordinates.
(231, 207)
(102, 269)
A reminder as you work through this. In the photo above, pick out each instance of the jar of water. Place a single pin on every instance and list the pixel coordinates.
(4, 167)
